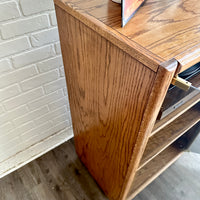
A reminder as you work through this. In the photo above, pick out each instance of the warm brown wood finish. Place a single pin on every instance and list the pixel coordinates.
(158, 93)
(170, 133)
(59, 175)
(160, 30)
(152, 170)
(109, 94)
(117, 80)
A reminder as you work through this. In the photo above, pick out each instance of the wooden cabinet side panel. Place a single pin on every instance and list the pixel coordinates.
(159, 90)
(108, 94)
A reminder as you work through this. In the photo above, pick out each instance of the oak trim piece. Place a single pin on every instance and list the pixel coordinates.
(189, 58)
(170, 133)
(108, 94)
(152, 170)
(161, 84)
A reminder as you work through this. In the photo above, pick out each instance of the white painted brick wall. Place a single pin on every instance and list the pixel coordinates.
(24, 25)
(11, 47)
(5, 66)
(30, 7)
(9, 10)
(44, 37)
(33, 97)
(33, 56)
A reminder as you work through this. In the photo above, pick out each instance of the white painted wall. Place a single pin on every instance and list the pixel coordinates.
(34, 110)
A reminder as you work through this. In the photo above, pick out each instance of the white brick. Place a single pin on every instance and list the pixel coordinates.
(30, 7)
(15, 133)
(67, 106)
(62, 71)
(23, 98)
(27, 115)
(31, 116)
(48, 132)
(53, 18)
(56, 104)
(65, 91)
(6, 150)
(36, 133)
(50, 64)
(44, 37)
(57, 47)
(45, 100)
(25, 127)
(8, 92)
(1, 110)
(62, 118)
(55, 85)
(5, 129)
(23, 26)
(20, 142)
(17, 75)
(33, 56)
(61, 126)
(39, 80)
(8, 10)
(10, 115)
(50, 116)
(5, 66)
(14, 46)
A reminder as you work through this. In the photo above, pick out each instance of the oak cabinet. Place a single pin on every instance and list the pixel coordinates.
(117, 80)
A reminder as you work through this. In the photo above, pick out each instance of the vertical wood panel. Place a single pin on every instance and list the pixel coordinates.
(108, 93)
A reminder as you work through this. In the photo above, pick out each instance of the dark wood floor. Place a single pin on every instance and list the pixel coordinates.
(59, 175)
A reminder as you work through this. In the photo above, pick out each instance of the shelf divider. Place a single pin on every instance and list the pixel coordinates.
(153, 169)
(166, 136)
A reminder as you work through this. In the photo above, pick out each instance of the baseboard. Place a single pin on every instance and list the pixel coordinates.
(22, 158)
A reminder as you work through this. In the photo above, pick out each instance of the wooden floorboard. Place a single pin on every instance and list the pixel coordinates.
(59, 175)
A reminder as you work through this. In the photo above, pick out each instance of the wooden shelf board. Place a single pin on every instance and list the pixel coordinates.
(152, 170)
(172, 116)
(170, 133)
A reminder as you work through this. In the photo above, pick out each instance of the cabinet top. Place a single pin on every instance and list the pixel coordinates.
(159, 31)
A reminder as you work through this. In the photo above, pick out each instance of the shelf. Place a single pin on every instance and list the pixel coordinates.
(191, 98)
(153, 169)
(170, 133)
(174, 115)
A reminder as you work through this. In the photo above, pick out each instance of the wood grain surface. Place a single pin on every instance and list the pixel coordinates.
(108, 94)
(160, 30)
(161, 84)
(117, 80)
(114, 101)
(170, 133)
(152, 170)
